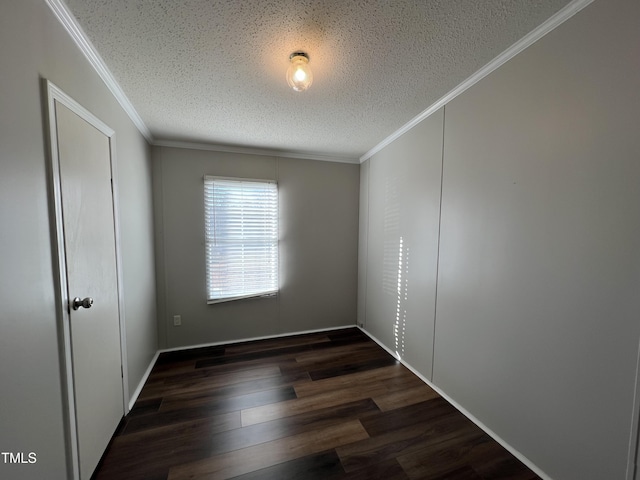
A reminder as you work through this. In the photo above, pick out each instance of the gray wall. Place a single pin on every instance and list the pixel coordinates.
(32, 45)
(318, 204)
(536, 330)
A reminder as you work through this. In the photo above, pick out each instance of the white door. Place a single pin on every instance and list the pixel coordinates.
(88, 240)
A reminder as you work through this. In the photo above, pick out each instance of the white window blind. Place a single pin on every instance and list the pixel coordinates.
(241, 227)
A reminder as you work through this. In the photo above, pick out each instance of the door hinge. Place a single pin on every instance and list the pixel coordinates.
(121, 371)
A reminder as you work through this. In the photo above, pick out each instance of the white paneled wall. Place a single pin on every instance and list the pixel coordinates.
(538, 292)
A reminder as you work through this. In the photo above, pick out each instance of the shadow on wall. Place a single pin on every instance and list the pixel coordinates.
(391, 233)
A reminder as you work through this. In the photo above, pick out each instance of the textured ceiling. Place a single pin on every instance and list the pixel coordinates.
(213, 71)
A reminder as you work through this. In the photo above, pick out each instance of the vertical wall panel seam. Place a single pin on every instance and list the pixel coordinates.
(367, 231)
(278, 316)
(435, 304)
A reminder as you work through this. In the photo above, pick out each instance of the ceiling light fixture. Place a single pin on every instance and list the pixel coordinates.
(299, 76)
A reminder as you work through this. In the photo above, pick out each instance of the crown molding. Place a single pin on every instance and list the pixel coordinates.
(256, 151)
(536, 34)
(71, 25)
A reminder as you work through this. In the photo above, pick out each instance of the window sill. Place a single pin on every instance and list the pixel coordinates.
(243, 297)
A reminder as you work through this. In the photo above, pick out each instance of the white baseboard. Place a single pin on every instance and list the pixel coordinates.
(138, 389)
(465, 412)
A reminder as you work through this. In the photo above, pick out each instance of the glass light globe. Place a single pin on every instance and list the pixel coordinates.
(299, 76)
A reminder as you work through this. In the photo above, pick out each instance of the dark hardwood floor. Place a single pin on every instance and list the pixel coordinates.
(328, 406)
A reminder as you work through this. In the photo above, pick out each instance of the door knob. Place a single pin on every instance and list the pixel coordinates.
(84, 303)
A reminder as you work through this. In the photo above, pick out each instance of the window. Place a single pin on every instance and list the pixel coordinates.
(241, 228)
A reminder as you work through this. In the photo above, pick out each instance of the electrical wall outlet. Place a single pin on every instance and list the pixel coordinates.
(177, 320)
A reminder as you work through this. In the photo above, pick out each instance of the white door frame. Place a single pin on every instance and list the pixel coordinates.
(53, 94)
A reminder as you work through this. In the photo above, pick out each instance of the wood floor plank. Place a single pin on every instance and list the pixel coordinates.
(346, 332)
(202, 374)
(144, 407)
(239, 462)
(441, 459)
(275, 343)
(320, 466)
(403, 398)
(383, 470)
(186, 369)
(264, 432)
(189, 354)
(491, 460)
(463, 473)
(337, 340)
(353, 366)
(341, 353)
(330, 405)
(257, 355)
(208, 394)
(158, 374)
(223, 378)
(392, 374)
(410, 415)
(150, 453)
(409, 439)
(213, 408)
(290, 347)
(190, 384)
(288, 350)
(330, 398)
